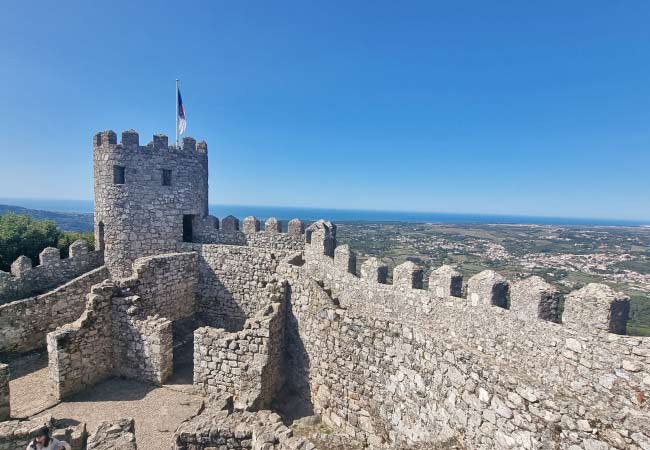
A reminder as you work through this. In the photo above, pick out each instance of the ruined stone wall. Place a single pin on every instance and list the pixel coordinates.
(142, 216)
(25, 280)
(398, 364)
(25, 323)
(5, 404)
(82, 353)
(230, 278)
(166, 283)
(17, 434)
(144, 345)
(247, 363)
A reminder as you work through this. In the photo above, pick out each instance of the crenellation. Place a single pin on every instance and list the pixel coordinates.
(230, 223)
(296, 226)
(108, 137)
(488, 288)
(533, 298)
(446, 281)
(272, 225)
(408, 275)
(130, 139)
(597, 307)
(374, 271)
(21, 266)
(49, 256)
(189, 144)
(160, 142)
(251, 225)
(345, 259)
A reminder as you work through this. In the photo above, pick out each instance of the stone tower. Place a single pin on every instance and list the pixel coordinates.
(146, 197)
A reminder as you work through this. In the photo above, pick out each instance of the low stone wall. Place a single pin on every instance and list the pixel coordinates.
(247, 363)
(116, 435)
(17, 434)
(25, 323)
(396, 365)
(167, 283)
(230, 278)
(144, 345)
(82, 353)
(218, 426)
(5, 403)
(25, 280)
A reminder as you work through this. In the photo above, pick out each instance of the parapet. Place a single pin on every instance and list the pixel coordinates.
(130, 140)
(230, 223)
(595, 307)
(251, 225)
(25, 280)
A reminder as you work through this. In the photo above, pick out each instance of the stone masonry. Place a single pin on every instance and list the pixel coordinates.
(287, 320)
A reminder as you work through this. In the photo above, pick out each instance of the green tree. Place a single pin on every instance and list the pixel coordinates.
(22, 235)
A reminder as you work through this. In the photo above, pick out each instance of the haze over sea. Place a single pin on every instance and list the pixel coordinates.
(337, 215)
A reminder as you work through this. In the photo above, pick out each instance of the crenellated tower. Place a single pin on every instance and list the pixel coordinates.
(146, 197)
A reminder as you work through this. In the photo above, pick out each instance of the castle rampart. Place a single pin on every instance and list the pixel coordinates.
(433, 367)
(25, 323)
(25, 280)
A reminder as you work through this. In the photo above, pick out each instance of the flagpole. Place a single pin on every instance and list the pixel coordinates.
(176, 112)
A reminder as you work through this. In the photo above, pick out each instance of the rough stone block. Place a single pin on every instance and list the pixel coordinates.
(534, 298)
(345, 259)
(272, 225)
(20, 266)
(79, 248)
(4, 393)
(296, 226)
(251, 225)
(446, 281)
(408, 275)
(488, 288)
(374, 270)
(109, 137)
(130, 139)
(189, 144)
(160, 142)
(230, 223)
(202, 147)
(597, 306)
(49, 256)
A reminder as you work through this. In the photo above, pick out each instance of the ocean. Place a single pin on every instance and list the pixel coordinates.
(339, 215)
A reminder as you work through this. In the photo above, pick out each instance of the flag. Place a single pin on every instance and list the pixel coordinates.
(181, 115)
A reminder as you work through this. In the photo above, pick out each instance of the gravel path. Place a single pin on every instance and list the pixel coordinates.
(157, 410)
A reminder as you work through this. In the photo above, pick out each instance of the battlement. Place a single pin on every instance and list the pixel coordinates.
(592, 309)
(26, 280)
(131, 140)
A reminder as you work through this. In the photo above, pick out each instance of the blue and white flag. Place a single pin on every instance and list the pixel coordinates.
(181, 115)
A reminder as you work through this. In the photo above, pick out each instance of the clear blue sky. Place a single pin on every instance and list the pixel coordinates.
(538, 108)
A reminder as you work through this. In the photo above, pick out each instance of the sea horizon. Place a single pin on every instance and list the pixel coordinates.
(341, 215)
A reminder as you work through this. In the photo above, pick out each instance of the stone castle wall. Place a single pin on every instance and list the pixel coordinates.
(272, 237)
(246, 364)
(141, 216)
(25, 323)
(81, 354)
(230, 278)
(167, 284)
(398, 364)
(121, 331)
(5, 403)
(25, 280)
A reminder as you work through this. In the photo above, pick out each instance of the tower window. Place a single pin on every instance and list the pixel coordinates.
(166, 177)
(118, 174)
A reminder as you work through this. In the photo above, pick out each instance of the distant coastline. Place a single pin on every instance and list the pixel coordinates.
(340, 215)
